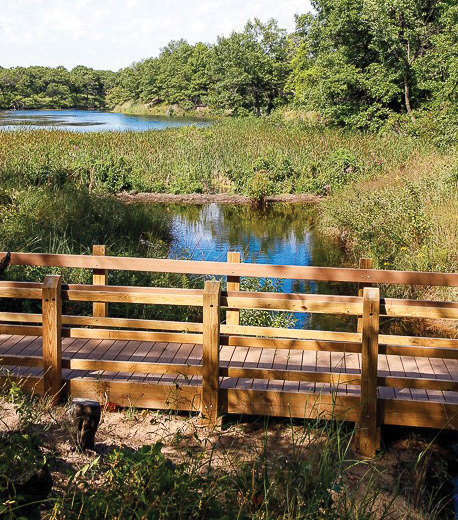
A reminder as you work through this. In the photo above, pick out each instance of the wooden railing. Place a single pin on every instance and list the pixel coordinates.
(368, 409)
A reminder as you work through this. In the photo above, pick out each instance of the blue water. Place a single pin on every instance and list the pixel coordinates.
(89, 121)
(277, 234)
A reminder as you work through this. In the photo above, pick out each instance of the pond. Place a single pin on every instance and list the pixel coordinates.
(274, 234)
(89, 121)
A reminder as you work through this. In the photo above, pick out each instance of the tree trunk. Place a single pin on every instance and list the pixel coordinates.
(407, 95)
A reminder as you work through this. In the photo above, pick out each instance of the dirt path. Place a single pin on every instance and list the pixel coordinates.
(221, 198)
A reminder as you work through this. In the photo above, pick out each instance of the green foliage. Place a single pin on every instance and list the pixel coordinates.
(360, 61)
(258, 318)
(139, 484)
(46, 87)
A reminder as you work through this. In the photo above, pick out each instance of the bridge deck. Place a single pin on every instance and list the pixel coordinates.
(246, 357)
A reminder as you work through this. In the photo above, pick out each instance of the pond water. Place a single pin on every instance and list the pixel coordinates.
(89, 121)
(275, 234)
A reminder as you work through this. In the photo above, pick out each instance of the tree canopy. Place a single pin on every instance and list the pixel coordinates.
(356, 62)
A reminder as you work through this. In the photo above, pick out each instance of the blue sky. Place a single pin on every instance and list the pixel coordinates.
(111, 34)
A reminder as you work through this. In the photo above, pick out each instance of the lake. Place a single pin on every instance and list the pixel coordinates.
(274, 234)
(89, 121)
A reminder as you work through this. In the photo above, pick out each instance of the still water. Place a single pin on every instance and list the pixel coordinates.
(277, 234)
(89, 121)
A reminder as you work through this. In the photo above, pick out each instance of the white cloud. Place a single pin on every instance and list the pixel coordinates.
(110, 34)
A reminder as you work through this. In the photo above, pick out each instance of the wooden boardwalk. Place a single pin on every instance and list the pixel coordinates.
(241, 357)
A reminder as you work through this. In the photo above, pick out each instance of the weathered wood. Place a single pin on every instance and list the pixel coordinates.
(52, 336)
(364, 263)
(291, 333)
(132, 335)
(140, 367)
(233, 284)
(84, 417)
(291, 272)
(370, 330)
(334, 378)
(293, 302)
(292, 344)
(99, 277)
(210, 352)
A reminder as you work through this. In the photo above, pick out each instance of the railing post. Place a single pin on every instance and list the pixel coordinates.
(99, 277)
(368, 434)
(233, 284)
(364, 263)
(52, 336)
(210, 353)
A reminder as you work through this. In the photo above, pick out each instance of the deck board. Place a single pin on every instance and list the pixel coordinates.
(243, 357)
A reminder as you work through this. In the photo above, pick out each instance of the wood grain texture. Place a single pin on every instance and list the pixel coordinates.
(364, 263)
(369, 360)
(52, 336)
(291, 272)
(210, 352)
(99, 277)
(233, 284)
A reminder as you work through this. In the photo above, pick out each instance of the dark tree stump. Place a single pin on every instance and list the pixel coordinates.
(4, 263)
(85, 418)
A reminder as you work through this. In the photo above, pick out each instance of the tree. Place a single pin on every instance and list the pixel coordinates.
(358, 61)
(249, 68)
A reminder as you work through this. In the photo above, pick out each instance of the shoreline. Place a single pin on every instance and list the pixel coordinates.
(207, 198)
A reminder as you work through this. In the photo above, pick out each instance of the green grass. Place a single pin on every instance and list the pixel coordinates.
(248, 156)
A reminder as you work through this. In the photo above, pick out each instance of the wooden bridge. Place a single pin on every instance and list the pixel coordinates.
(217, 368)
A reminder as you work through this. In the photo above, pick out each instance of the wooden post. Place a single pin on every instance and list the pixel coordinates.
(364, 263)
(99, 277)
(210, 354)
(52, 335)
(233, 284)
(368, 435)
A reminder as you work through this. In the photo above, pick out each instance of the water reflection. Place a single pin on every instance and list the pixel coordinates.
(275, 234)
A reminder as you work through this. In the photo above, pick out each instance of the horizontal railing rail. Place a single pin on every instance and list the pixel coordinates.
(367, 344)
(235, 269)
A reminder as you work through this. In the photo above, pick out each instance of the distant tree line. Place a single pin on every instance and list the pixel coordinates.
(354, 62)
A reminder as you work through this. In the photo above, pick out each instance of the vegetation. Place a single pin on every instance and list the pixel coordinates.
(366, 64)
(247, 156)
(288, 470)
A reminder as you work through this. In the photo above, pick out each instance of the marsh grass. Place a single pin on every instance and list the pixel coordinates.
(249, 156)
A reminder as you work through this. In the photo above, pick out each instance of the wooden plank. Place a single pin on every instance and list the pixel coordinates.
(369, 359)
(291, 272)
(52, 336)
(233, 284)
(276, 332)
(210, 353)
(99, 277)
(418, 309)
(383, 371)
(141, 367)
(187, 398)
(291, 344)
(351, 305)
(411, 370)
(132, 335)
(130, 295)
(275, 374)
(421, 414)
(364, 263)
(309, 363)
(290, 404)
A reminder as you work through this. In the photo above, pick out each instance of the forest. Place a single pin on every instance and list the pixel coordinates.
(366, 64)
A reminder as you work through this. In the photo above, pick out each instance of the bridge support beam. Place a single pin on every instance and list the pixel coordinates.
(367, 439)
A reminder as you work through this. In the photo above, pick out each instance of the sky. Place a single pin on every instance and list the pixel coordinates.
(111, 34)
